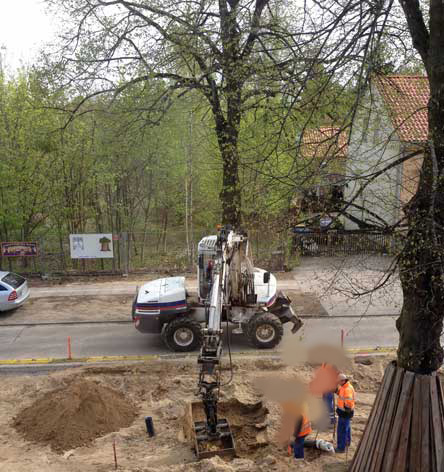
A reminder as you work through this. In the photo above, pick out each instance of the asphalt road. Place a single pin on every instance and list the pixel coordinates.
(123, 339)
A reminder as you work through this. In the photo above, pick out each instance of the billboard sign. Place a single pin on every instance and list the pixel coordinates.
(91, 246)
(19, 249)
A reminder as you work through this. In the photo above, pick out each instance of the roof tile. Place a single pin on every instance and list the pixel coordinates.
(324, 142)
(406, 98)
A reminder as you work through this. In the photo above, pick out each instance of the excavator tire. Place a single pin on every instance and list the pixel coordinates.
(264, 330)
(182, 334)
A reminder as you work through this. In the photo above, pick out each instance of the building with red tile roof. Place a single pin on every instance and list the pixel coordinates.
(323, 153)
(391, 124)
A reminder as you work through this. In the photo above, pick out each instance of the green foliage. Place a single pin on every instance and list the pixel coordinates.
(115, 168)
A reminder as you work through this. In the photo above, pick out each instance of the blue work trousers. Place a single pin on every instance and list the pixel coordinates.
(298, 448)
(329, 401)
(344, 433)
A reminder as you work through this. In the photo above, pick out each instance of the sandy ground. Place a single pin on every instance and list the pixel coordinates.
(86, 308)
(114, 308)
(164, 391)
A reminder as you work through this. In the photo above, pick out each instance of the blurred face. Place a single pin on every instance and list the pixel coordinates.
(342, 382)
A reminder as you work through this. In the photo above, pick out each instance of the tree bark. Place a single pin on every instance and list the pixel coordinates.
(230, 194)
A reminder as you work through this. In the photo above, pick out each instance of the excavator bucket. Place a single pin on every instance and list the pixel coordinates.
(209, 446)
(282, 308)
(206, 445)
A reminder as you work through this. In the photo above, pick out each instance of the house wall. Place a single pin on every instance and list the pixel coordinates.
(410, 174)
(373, 146)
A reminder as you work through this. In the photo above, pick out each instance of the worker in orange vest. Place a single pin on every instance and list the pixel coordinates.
(301, 431)
(345, 411)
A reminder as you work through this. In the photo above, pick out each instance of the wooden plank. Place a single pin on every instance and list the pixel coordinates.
(404, 440)
(425, 452)
(365, 445)
(415, 454)
(395, 433)
(388, 419)
(369, 457)
(437, 422)
(360, 450)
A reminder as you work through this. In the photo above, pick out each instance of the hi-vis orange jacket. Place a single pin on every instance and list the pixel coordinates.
(305, 427)
(346, 396)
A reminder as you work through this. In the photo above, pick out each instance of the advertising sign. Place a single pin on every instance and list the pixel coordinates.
(19, 249)
(91, 246)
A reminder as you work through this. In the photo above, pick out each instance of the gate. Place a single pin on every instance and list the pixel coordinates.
(336, 243)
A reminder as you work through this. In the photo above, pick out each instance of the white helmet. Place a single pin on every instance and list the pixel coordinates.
(342, 377)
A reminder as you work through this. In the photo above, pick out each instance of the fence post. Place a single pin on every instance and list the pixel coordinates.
(124, 249)
(43, 273)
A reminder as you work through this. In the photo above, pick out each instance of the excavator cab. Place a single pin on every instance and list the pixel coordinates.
(206, 258)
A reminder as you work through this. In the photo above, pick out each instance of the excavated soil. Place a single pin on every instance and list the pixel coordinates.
(248, 423)
(84, 411)
(75, 415)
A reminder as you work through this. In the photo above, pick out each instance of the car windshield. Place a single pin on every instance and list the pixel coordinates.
(13, 280)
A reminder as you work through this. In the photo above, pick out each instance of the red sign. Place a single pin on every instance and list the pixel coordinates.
(19, 249)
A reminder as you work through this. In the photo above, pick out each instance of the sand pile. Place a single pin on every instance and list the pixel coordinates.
(74, 415)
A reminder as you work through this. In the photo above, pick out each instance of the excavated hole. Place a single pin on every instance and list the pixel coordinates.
(248, 423)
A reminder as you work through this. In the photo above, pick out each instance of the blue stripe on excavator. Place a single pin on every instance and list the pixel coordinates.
(161, 305)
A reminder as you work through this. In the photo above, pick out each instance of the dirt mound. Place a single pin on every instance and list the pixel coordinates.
(74, 415)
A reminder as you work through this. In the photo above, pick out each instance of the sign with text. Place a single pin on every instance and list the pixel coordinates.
(91, 246)
(19, 249)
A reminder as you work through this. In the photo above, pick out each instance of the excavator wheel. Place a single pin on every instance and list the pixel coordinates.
(264, 330)
(182, 334)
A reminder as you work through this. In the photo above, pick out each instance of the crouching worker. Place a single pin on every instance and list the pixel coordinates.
(301, 431)
(345, 411)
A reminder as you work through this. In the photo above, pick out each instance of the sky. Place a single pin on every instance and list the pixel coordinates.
(24, 28)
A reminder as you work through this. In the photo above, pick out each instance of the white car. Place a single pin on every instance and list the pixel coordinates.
(14, 291)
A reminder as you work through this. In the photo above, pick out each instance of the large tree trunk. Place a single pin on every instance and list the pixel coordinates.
(421, 321)
(421, 268)
(230, 194)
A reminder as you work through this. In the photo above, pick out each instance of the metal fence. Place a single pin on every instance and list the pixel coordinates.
(153, 251)
(336, 243)
(174, 251)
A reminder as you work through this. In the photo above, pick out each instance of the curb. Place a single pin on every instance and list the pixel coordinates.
(150, 357)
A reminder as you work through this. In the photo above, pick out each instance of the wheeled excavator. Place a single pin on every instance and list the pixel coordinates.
(232, 284)
(231, 290)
